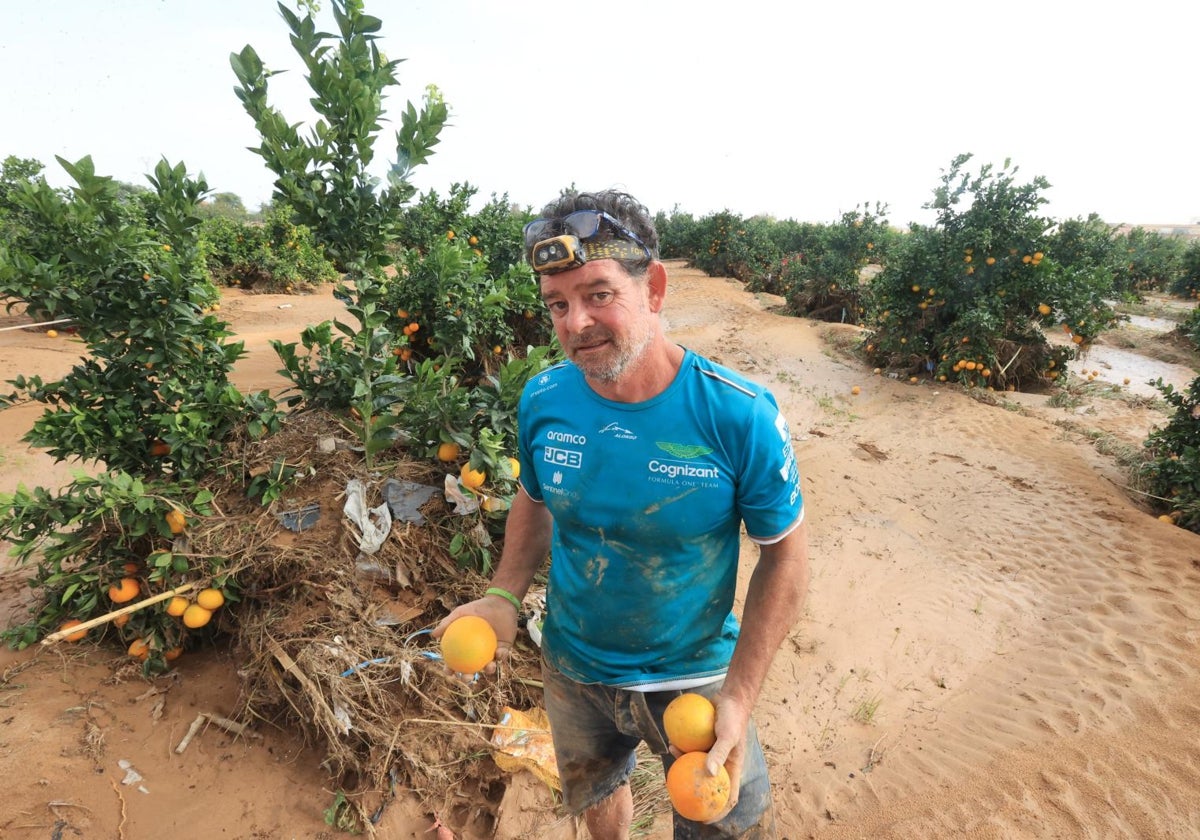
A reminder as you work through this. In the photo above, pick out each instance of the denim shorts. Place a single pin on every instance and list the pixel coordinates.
(596, 731)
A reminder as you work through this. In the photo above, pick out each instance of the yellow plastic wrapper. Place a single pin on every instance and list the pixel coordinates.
(521, 741)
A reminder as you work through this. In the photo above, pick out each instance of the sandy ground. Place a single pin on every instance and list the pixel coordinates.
(999, 641)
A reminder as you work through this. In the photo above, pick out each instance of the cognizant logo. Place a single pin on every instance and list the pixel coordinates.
(673, 469)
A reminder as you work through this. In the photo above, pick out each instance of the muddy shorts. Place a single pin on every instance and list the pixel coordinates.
(597, 730)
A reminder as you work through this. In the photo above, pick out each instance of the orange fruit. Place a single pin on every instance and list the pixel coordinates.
(121, 620)
(51, 333)
(176, 521)
(468, 644)
(1044, 308)
(126, 589)
(211, 599)
(172, 654)
(472, 479)
(67, 625)
(689, 722)
(196, 616)
(515, 466)
(177, 606)
(856, 390)
(139, 649)
(474, 240)
(991, 260)
(696, 795)
(448, 452)
(159, 448)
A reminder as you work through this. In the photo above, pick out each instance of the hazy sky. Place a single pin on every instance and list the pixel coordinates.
(802, 110)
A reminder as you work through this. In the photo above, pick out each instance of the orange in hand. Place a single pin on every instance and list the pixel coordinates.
(696, 795)
(468, 644)
(690, 720)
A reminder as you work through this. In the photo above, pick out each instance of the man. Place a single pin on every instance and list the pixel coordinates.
(640, 462)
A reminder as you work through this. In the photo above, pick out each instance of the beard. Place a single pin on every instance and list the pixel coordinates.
(616, 360)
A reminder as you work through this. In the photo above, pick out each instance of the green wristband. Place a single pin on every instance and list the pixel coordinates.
(506, 595)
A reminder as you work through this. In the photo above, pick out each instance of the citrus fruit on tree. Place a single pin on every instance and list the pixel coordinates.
(515, 466)
(211, 599)
(139, 649)
(690, 720)
(472, 479)
(468, 644)
(196, 616)
(124, 590)
(176, 521)
(448, 452)
(695, 794)
(67, 625)
(177, 606)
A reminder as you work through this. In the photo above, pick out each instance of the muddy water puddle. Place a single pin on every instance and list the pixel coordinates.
(1114, 366)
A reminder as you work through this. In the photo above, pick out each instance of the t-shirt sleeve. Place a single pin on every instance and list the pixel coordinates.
(770, 501)
(528, 479)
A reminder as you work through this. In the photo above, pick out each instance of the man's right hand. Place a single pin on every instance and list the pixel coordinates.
(496, 611)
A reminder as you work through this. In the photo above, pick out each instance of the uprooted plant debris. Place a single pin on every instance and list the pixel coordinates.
(334, 644)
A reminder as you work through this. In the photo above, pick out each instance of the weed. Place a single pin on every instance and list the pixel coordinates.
(866, 710)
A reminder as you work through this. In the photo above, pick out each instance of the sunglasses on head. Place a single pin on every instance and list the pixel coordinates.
(554, 245)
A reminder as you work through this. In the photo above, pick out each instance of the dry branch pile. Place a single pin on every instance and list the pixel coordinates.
(331, 643)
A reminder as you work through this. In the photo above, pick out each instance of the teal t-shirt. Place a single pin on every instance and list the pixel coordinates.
(648, 500)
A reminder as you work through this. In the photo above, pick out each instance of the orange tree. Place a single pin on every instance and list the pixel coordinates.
(820, 272)
(150, 403)
(967, 298)
(729, 246)
(1172, 471)
(324, 179)
(1187, 282)
(1152, 262)
(381, 368)
(275, 255)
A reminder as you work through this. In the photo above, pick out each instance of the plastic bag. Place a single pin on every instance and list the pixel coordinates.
(373, 523)
(522, 742)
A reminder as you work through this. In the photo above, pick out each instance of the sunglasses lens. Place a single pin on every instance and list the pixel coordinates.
(537, 230)
(583, 223)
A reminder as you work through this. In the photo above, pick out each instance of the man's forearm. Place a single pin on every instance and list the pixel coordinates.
(526, 544)
(774, 599)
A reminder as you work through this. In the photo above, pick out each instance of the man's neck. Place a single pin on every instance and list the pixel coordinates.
(652, 375)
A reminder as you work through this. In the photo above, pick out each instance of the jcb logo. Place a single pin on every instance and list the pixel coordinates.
(564, 457)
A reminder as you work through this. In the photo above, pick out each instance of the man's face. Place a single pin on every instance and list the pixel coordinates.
(602, 317)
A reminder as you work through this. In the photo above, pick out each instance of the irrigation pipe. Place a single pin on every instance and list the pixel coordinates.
(40, 324)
